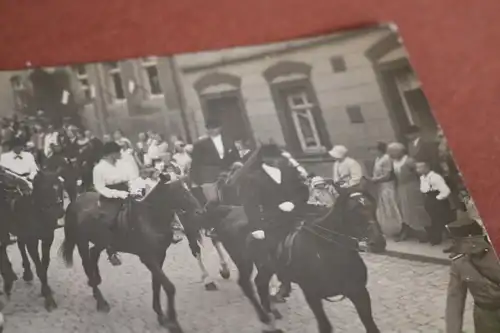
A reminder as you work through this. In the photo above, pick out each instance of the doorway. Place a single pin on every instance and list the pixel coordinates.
(227, 109)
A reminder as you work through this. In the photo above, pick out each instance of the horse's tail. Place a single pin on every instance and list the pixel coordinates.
(70, 235)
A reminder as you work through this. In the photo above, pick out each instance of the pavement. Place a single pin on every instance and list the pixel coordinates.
(413, 250)
(407, 296)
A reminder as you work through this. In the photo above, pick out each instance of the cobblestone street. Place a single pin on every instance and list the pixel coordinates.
(407, 297)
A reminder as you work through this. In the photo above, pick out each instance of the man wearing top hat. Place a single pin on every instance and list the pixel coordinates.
(212, 155)
(474, 268)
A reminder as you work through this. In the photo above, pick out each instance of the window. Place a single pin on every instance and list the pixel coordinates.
(405, 82)
(115, 82)
(20, 91)
(355, 115)
(83, 78)
(301, 109)
(338, 64)
(152, 77)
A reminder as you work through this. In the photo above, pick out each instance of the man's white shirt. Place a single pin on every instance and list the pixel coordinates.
(22, 164)
(272, 172)
(219, 145)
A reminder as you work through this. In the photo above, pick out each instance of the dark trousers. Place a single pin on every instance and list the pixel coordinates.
(440, 213)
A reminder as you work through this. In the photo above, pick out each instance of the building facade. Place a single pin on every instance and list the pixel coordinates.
(353, 88)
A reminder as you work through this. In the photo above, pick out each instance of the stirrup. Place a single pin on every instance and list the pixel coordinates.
(114, 259)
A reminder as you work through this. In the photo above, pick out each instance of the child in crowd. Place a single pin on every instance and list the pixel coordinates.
(321, 193)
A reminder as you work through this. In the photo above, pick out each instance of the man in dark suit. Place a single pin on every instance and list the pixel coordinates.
(275, 194)
(422, 149)
(211, 156)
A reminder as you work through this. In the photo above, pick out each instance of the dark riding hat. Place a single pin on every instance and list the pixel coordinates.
(271, 151)
(213, 123)
(463, 231)
(111, 148)
(16, 143)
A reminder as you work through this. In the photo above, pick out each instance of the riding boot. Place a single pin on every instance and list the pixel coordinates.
(113, 256)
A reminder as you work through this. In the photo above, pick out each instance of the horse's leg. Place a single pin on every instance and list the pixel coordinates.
(284, 291)
(6, 270)
(196, 251)
(156, 286)
(28, 273)
(46, 246)
(95, 279)
(224, 270)
(71, 188)
(155, 268)
(41, 272)
(245, 269)
(361, 300)
(316, 305)
(262, 280)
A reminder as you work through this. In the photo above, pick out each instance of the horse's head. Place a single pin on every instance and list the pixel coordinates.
(354, 210)
(182, 197)
(173, 194)
(48, 193)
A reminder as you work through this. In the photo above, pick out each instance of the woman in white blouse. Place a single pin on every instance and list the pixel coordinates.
(436, 193)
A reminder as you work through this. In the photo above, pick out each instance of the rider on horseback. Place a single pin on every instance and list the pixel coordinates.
(19, 162)
(277, 194)
(112, 183)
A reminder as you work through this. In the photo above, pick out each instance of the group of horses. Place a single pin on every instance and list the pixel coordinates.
(322, 258)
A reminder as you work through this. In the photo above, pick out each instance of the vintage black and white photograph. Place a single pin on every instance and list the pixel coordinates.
(298, 186)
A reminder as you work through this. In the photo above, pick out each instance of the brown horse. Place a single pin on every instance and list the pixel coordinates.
(144, 230)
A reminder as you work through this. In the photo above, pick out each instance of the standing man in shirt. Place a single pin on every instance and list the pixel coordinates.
(211, 156)
(50, 138)
(436, 199)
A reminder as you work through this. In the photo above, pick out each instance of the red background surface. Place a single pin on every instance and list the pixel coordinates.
(453, 45)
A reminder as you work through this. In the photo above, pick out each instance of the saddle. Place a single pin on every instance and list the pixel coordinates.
(285, 247)
(115, 214)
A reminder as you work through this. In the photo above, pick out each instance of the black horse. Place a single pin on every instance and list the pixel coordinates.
(144, 229)
(320, 257)
(35, 219)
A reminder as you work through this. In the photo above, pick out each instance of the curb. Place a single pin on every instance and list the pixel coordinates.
(415, 257)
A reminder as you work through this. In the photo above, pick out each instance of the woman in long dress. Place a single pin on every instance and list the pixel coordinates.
(388, 214)
(410, 199)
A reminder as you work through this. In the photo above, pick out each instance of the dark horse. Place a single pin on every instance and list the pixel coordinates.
(144, 230)
(320, 257)
(35, 219)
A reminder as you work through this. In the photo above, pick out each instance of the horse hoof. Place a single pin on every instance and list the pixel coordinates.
(211, 286)
(163, 321)
(103, 307)
(277, 299)
(28, 276)
(50, 305)
(277, 315)
(225, 273)
(174, 327)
